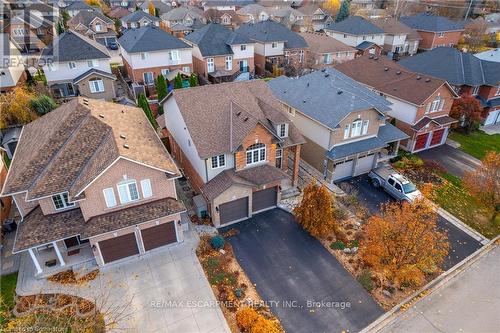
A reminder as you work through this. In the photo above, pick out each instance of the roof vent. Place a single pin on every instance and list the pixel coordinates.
(238, 113)
(419, 77)
(101, 115)
(398, 72)
(245, 119)
(123, 136)
(370, 56)
(427, 80)
(339, 92)
(303, 101)
(126, 146)
(308, 84)
(323, 69)
(327, 75)
(123, 111)
(386, 69)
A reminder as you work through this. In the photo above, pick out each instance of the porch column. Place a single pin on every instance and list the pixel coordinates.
(296, 164)
(58, 253)
(397, 148)
(35, 261)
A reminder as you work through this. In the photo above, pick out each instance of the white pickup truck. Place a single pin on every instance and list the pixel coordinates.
(394, 183)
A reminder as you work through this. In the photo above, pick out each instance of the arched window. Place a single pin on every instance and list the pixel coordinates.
(256, 153)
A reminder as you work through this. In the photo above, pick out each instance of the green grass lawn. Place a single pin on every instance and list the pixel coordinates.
(477, 143)
(7, 293)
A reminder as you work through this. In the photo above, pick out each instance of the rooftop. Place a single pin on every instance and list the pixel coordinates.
(139, 15)
(149, 38)
(270, 31)
(321, 43)
(72, 46)
(86, 17)
(392, 26)
(354, 25)
(430, 22)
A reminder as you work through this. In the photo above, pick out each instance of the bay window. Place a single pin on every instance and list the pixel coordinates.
(256, 153)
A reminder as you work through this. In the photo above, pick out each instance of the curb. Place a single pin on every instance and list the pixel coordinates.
(462, 226)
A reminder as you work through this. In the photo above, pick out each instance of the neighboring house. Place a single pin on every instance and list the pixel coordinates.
(77, 65)
(343, 121)
(149, 51)
(31, 32)
(233, 143)
(220, 54)
(399, 38)
(118, 13)
(9, 137)
(275, 45)
(161, 6)
(95, 26)
(490, 55)
(126, 4)
(326, 51)
(98, 185)
(78, 6)
(139, 19)
(12, 72)
(434, 30)
(468, 75)
(254, 13)
(183, 20)
(227, 18)
(225, 4)
(289, 17)
(315, 17)
(420, 103)
(357, 32)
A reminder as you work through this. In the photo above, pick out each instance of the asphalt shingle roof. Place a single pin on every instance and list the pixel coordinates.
(85, 17)
(215, 39)
(78, 5)
(456, 67)
(354, 25)
(270, 31)
(149, 38)
(355, 147)
(429, 22)
(72, 46)
(327, 96)
(138, 15)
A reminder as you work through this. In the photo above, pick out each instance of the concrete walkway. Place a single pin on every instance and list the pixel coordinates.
(163, 291)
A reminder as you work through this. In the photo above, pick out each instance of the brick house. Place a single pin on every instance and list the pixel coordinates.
(220, 54)
(275, 46)
(343, 122)
(149, 51)
(253, 13)
(93, 184)
(326, 51)
(139, 19)
(434, 30)
(12, 73)
(467, 74)
(315, 17)
(31, 32)
(399, 38)
(420, 103)
(233, 144)
(182, 20)
(95, 26)
(227, 18)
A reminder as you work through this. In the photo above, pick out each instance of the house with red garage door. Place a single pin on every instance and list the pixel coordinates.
(420, 103)
(93, 184)
(233, 143)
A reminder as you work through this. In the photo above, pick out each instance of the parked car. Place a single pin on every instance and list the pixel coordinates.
(112, 46)
(398, 186)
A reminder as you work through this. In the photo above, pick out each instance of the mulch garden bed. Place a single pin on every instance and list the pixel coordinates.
(70, 277)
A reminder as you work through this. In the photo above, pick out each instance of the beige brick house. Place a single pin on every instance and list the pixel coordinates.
(94, 185)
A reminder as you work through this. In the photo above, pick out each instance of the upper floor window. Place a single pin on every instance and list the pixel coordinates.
(283, 130)
(147, 192)
(365, 127)
(364, 37)
(98, 27)
(93, 63)
(274, 45)
(347, 129)
(256, 153)
(109, 197)
(61, 201)
(226, 20)
(436, 105)
(440, 34)
(127, 191)
(356, 128)
(243, 47)
(229, 63)
(475, 90)
(498, 91)
(72, 65)
(218, 161)
(301, 56)
(144, 55)
(327, 58)
(345, 36)
(174, 55)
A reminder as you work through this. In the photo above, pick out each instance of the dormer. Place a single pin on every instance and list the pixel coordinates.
(282, 130)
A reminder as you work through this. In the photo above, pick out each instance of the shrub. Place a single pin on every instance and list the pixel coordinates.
(217, 242)
(365, 279)
(338, 245)
(43, 104)
(246, 317)
(263, 325)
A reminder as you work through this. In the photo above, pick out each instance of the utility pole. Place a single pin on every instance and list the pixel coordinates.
(468, 10)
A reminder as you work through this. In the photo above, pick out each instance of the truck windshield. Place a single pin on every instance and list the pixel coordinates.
(409, 187)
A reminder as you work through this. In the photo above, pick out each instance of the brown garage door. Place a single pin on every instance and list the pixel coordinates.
(119, 247)
(421, 141)
(159, 235)
(264, 199)
(233, 210)
(437, 136)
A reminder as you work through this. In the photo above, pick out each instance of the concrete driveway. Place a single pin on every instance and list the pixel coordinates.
(290, 268)
(162, 291)
(454, 160)
(462, 244)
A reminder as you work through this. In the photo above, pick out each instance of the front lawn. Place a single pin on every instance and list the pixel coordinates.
(7, 293)
(477, 143)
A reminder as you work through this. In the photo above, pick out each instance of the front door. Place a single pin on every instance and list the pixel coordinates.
(243, 66)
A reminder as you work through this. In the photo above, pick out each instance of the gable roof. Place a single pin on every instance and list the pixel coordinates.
(149, 38)
(72, 46)
(310, 9)
(70, 146)
(285, 11)
(118, 12)
(220, 116)
(321, 43)
(270, 31)
(430, 22)
(79, 5)
(392, 26)
(215, 39)
(327, 96)
(139, 15)
(490, 55)
(86, 17)
(388, 77)
(180, 13)
(252, 9)
(162, 7)
(354, 25)
(458, 68)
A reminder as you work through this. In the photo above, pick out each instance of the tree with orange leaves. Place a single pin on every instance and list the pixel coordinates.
(403, 242)
(484, 182)
(332, 6)
(151, 9)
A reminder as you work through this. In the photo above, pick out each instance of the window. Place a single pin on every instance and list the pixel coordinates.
(96, 86)
(109, 197)
(274, 45)
(279, 155)
(283, 130)
(93, 63)
(256, 153)
(146, 188)
(243, 47)
(165, 71)
(148, 78)
(327, 58)
(345, 36)
(364, 37)
(72, 65)
(61, 201)
(218, 161)
(210, 65)
(226, 20)
(301, 56)
(98, 27)
(434, 106)
(144, 55)
(440, 34)
(356, 128)
(186, 69)
(174, 56)
(229, 63)
(475, 90)
(365, 127)
(128, 191)
(346, 131)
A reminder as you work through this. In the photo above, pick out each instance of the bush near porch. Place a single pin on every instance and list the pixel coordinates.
(7, 294)
(477, 143)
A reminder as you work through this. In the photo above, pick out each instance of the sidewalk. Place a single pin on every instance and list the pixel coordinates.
(9, 261)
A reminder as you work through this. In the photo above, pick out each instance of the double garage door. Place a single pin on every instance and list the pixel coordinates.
(345, 169)
(126, 245)
(422, 139)
(238, 209)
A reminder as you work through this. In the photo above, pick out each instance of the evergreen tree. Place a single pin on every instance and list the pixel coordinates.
(193, 80)
(30, 80)
(143, 103)
(65, 18)
(59, 28)
(343, 11)
(157, 12)
(161, 87)
(178, 81)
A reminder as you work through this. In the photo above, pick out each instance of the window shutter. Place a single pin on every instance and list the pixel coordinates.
(109, 197)
(146, 188)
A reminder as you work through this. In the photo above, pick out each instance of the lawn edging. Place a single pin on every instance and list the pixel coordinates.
(430, 287)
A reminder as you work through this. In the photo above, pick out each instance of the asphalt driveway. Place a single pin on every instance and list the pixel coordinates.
(455, 161)
(462, 244)
(290, 268)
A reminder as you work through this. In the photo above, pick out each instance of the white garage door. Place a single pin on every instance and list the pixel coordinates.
(364, 164)
(342, 170)
(493, 118)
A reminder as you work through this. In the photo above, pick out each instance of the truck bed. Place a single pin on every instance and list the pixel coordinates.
(384, 171)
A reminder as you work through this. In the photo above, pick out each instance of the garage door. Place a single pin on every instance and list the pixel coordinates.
(119, 247)
(437, 136)
(342, 170)
(159, 235)
(233, 210)
(264, 199)
(493, 118)
(364, 164)
(421, 141)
